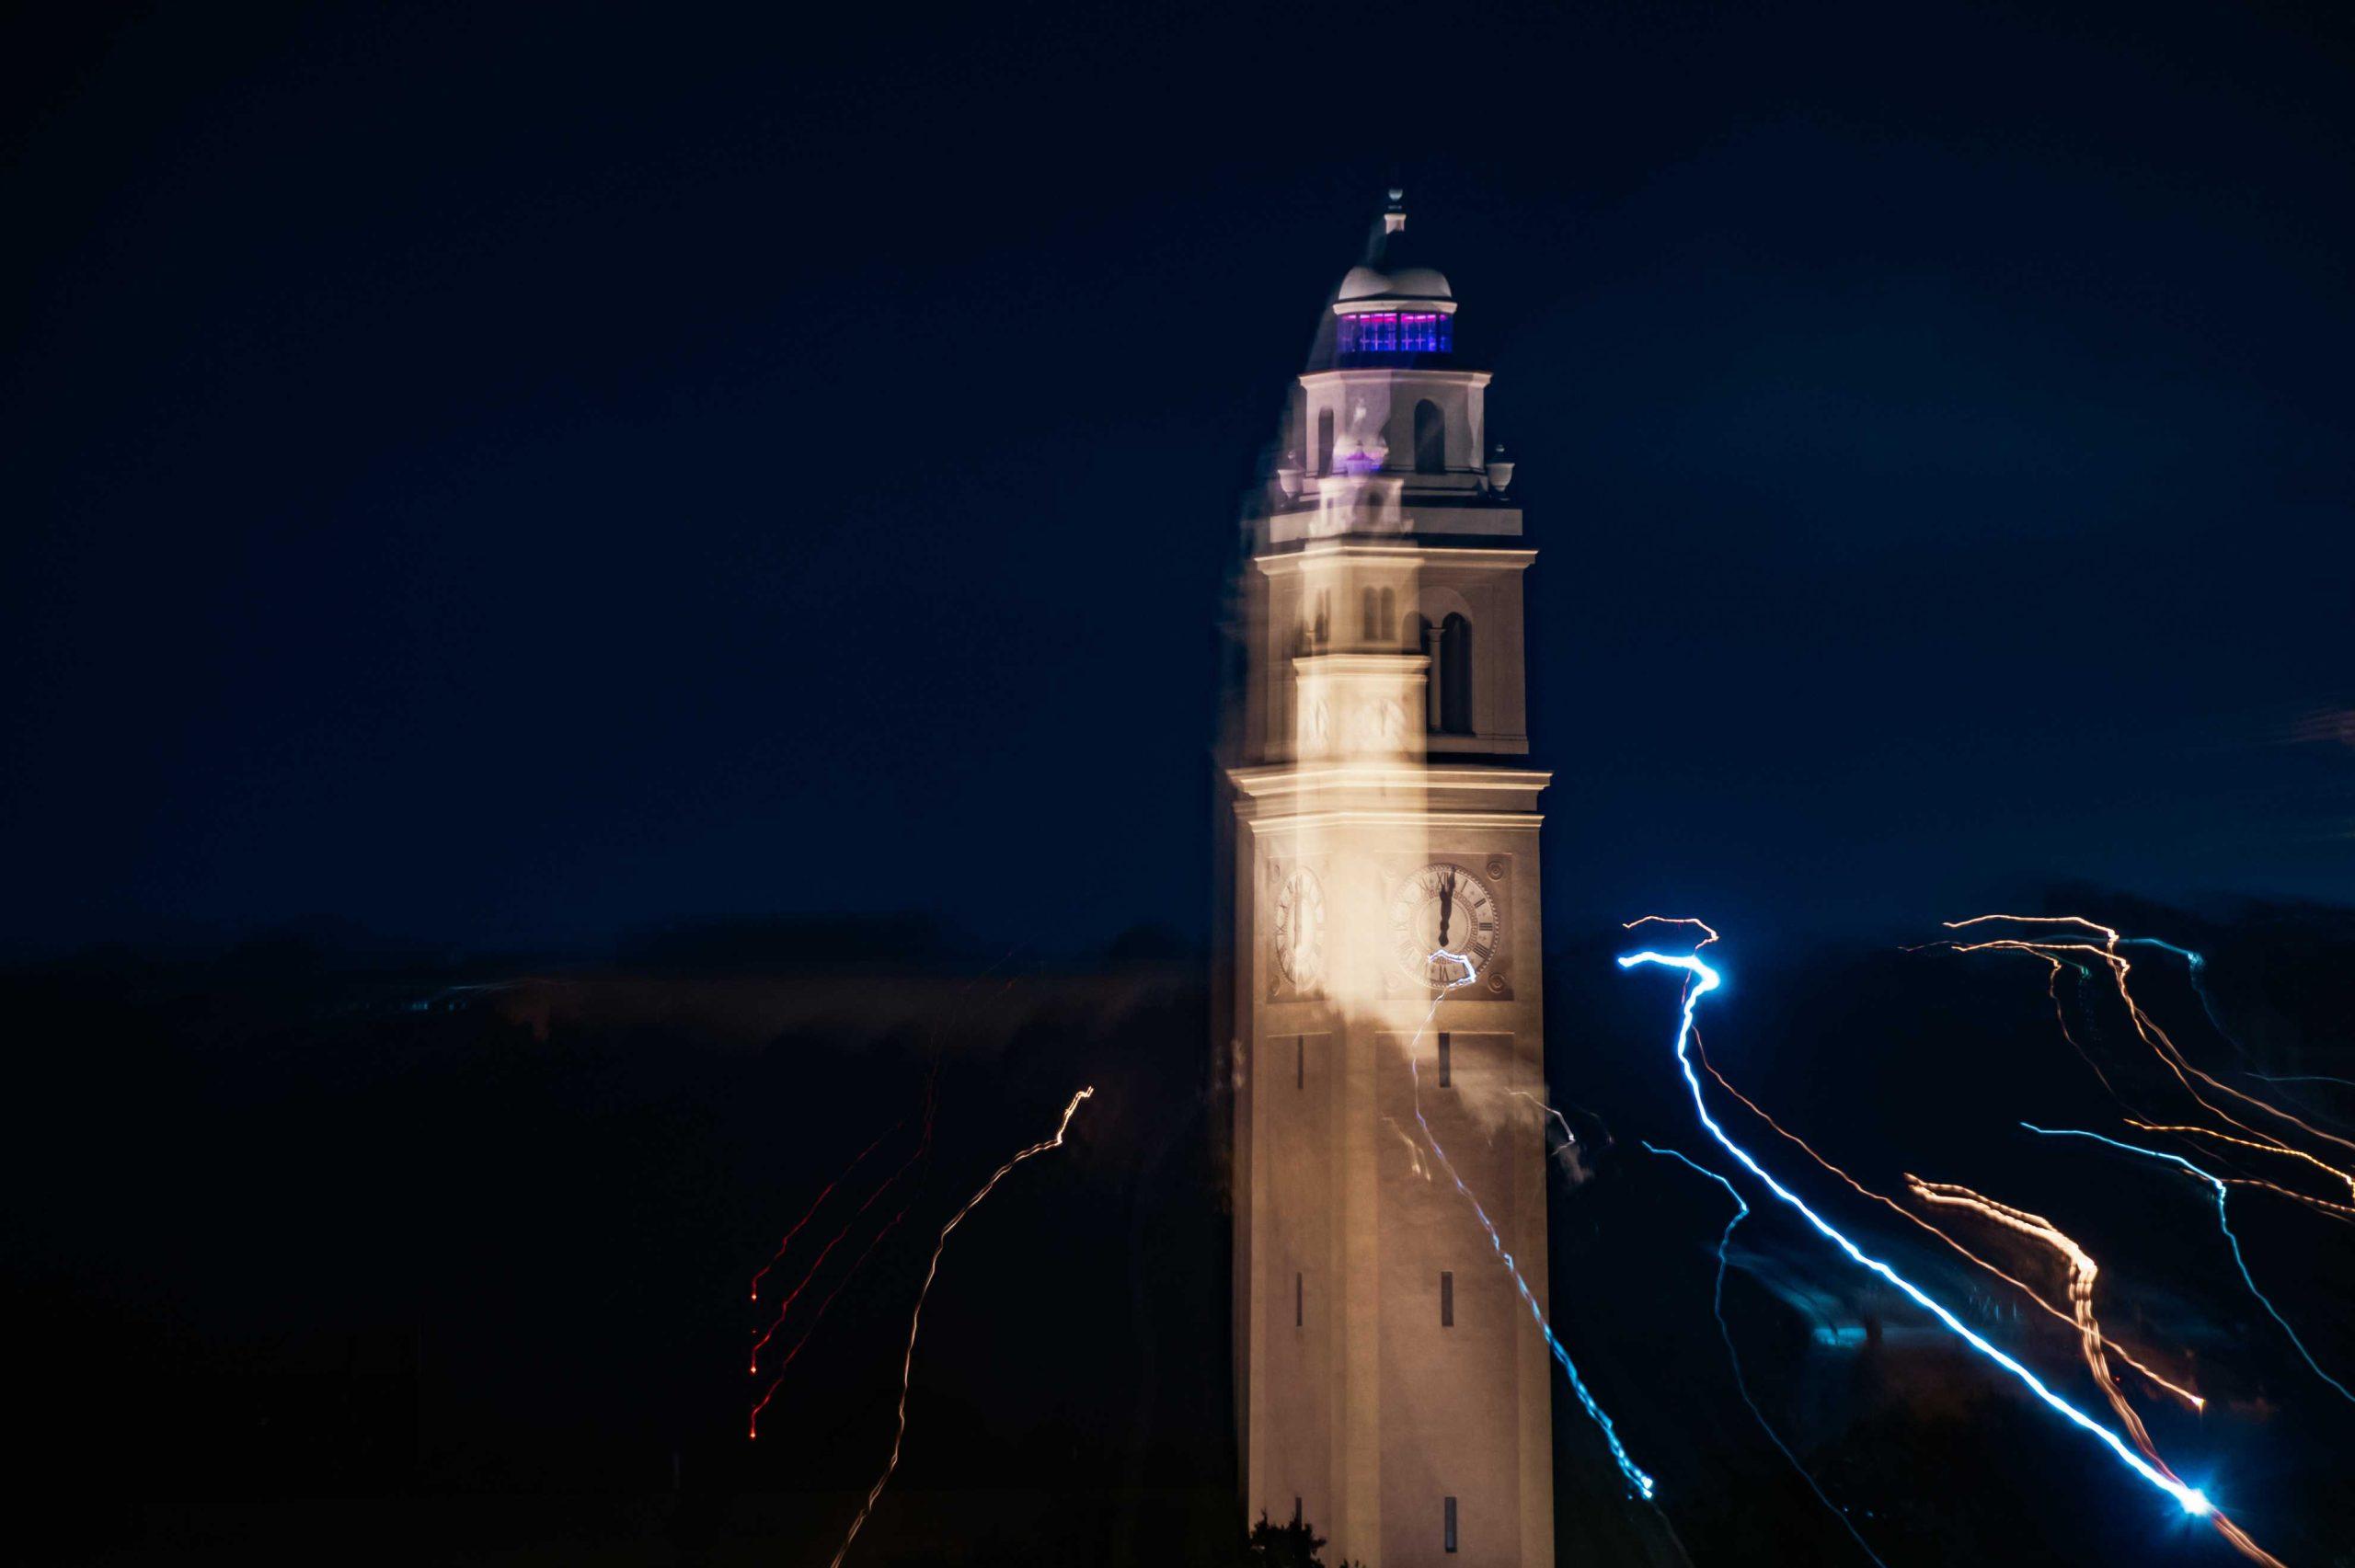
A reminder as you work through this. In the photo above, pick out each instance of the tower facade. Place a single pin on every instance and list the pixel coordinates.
(1390, 1384)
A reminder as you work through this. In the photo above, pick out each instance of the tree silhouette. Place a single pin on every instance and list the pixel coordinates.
(1285, 1546)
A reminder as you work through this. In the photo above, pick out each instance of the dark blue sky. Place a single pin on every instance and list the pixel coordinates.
(511, 475)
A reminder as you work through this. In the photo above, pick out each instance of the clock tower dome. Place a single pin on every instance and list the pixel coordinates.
(1389, 1382)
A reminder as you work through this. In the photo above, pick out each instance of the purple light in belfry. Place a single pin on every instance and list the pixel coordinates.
(1394, 332)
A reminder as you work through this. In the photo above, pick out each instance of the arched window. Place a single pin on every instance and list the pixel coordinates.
(1370, 627)
(1325, 441)
(1453, 676)
(1389, 614)
(1430, 438)
(1418, 636)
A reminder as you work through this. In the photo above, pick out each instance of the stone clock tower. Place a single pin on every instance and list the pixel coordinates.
(1388, 1381)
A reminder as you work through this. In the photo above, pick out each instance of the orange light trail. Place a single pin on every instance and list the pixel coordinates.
(916, 1319)
(2060, 1016)
(1703, 980)
(2223, 1224)
(2323, 1204)
(2261, 1148)
(1674, 920)
(2145, 1027)
(2082, 1273)
(2194, 1400)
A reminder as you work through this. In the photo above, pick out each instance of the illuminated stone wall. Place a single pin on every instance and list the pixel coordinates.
(1368, 796)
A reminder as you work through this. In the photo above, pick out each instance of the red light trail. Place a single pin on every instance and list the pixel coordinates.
(924, 1145)
(752, 1422)
(819, 1202)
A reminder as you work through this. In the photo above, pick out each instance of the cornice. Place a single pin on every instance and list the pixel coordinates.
(1277, 563)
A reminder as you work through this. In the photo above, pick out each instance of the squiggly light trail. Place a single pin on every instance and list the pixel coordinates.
(1545, 1110)
(2145, 1027)
(1705, 979)
(1717, 1306)
(2196, 968)
(1643, 1483)
(1414, 1149)
(2083, 1271)
(785, 1364)
(2022, 1285)
(1569, 1151)
(2162, 1045)
(2249, 1143)
(818, 1203)
(2224, 1224)
(923, 1146)
(916, 1319)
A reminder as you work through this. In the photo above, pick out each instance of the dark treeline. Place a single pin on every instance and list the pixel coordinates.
(408, 1258)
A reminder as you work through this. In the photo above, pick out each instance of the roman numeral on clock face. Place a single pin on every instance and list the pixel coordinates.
(1443, 908)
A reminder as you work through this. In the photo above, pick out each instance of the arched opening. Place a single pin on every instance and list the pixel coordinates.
(1389, 614)
(1453, 676)
(1422, 637)
(1370, 626)
(1325, 441)
(1430, 438)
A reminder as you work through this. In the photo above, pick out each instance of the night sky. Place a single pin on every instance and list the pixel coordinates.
(517, 475)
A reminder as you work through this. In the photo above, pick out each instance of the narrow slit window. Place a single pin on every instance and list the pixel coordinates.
(1299, 1299)
(1454, 676)
(1446, 1060)
(1446, 1299)
(1300, 1061)
(1447, 1525)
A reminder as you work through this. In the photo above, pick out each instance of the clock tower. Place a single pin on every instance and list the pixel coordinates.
(1389, 1384)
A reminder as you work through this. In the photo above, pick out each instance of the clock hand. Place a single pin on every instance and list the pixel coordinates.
(1446, 906)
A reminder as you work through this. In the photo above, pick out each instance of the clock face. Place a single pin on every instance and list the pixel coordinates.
(1300, 928)
(1443, 909)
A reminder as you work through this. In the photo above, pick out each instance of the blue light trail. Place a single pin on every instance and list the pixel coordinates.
(1643, 1483)
(1725, 1332)
(2223, 1223)
(2196, 968)
(1705, 979)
